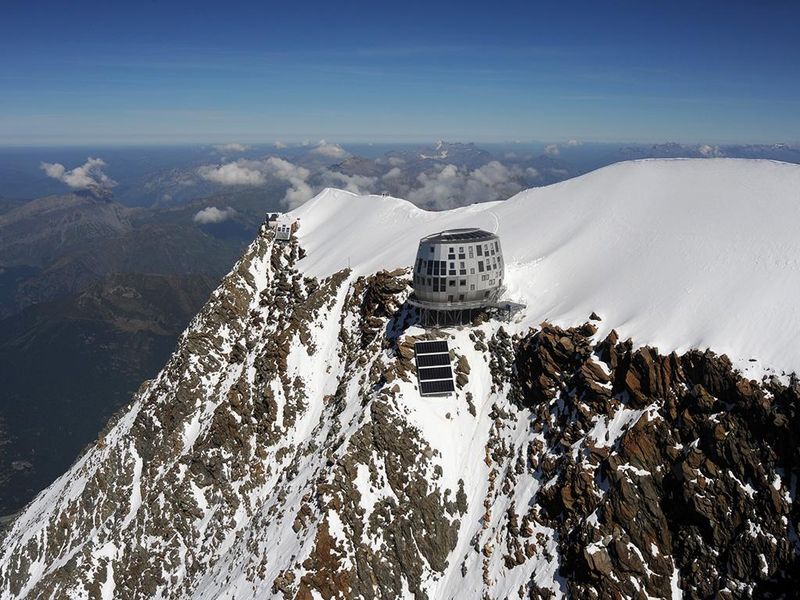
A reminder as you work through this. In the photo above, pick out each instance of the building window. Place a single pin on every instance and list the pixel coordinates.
(472, 271)
(480, 266)
(452, 265)
(497, 245)
(431, 249)
(462, 283)
(452, 272)
(436, 268)
(462, 272)
(470, 251)
(443, 266)
(480, 250)
(450, 298)
(430, 268)
(471, 287)
(461, 297)
(451, 283)
(486, 294)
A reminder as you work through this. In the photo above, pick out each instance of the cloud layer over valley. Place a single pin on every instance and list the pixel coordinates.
(88, 176)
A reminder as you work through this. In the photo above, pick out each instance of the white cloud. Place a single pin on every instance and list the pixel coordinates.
(279, 144)
(532, 173)
(329, 150)
(54, 170)
(574, 143)
(88, 176)
(358, 184)
(299, 190)
(392, 173)
(442, 187)
(492, 173)
(258, 172)
(212, 214)
(552, 150)
(283, 169)
(241, 172)
(450, 187)
(232, 148)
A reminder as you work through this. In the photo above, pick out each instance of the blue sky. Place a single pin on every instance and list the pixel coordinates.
(175, 72)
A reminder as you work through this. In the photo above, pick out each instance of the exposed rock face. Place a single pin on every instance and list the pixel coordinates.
(703, 481)
(285, 452)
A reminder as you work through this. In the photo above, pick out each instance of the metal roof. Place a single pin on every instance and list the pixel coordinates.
(469, 234)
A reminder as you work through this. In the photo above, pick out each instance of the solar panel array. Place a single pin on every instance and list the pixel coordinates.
(434, 371)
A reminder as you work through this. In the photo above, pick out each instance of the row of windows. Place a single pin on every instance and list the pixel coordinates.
(439, 268)
(495, 245)
(440, 284)
(487, 249)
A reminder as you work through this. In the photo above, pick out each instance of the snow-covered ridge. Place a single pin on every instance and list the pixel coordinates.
(673, 253)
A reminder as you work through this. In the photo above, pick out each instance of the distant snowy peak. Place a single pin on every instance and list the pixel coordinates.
(440, 152)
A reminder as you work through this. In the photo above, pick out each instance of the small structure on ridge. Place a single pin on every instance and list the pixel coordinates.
(283, 226)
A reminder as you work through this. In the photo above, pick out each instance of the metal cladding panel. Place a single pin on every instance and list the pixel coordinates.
(436, 373)
(440, 386)
(435, 347)
(433, 360)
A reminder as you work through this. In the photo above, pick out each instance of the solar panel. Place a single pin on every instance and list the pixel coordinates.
(437, 387)
(434, 369)
(436, 373)
(433, 360)
(430, 347)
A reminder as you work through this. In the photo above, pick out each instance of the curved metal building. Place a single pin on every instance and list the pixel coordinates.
(457, 272)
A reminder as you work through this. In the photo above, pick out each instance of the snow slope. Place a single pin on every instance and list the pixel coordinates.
(673, 253)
